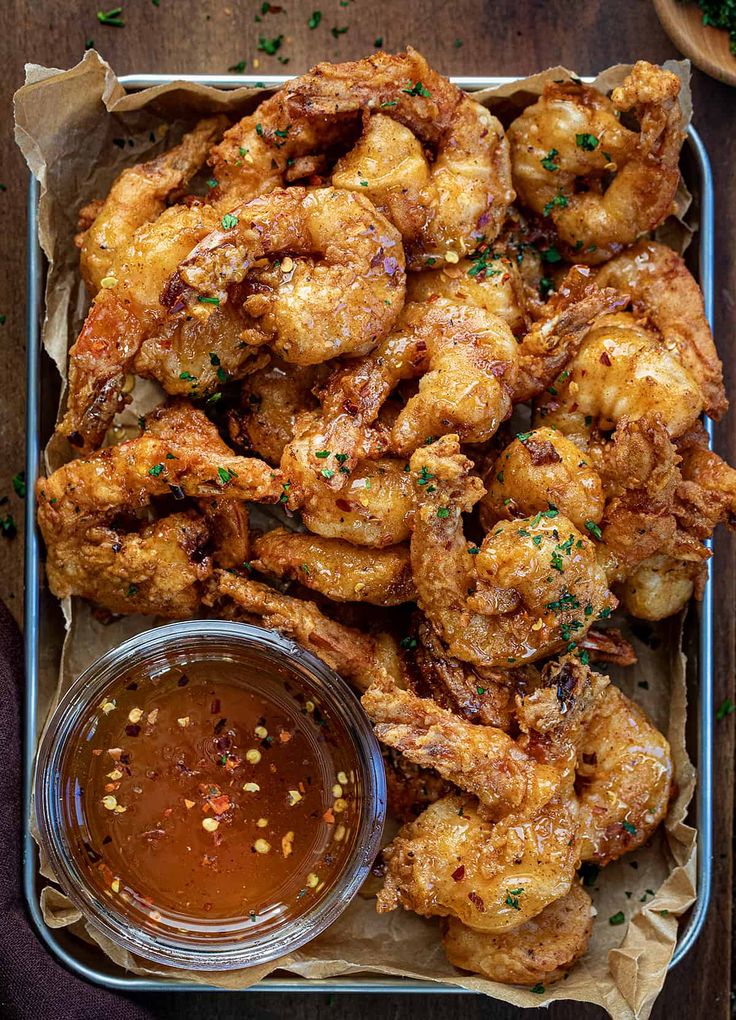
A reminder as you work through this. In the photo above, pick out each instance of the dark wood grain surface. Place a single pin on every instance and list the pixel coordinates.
(513, 37)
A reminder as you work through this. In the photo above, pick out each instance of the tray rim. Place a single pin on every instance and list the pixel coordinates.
(363, 981)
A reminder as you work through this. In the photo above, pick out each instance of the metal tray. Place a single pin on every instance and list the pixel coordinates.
(44, 629)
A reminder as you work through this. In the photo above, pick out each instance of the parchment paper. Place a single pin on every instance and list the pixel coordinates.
(77, 130)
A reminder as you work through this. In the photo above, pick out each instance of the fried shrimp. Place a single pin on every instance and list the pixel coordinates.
(539, 469)
(127, 330)
(601, 184)
(622, 370)
(533, 586)
(432, 160)
(624, 779)
(488, 279)
(492, 876)
(540, 951)
(271, 401)
(661, 586)
(372, 510)
(140, 567)
(139, 195)
(357, 656)
(320, 273)
(479, 759)
(664, 293)
(335, 568)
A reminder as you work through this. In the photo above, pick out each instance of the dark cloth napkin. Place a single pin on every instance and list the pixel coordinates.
(33, 986)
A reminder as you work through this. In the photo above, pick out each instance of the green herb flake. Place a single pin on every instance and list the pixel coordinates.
(8, 527)
(725, 708)
(328, 473)
(378, 42)
(224, 475)
(269, 46)
(473, 550)
(443, 513)
(337, 32)
(617, 918)
(113, 18)
(132, 590)
(187, 377)
(548, 162)
(558, 202)
(546, 287)
(593, 528)
(537, 989)
(417, 89)
(19, 484)
(587, 141)
(229, 221)
(156, 470)
(631, 829)
(238, 68)
(480, 690)
(408, 644)
(314, 19)
(208, 300)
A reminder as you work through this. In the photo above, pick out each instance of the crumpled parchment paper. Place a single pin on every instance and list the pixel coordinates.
(77, 130)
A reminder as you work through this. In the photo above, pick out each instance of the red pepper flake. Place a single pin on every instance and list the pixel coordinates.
(284, 736)
(605, 360)
(477, 901)
(459, 873)
(329, 816)
(215, 706)
(220, 804)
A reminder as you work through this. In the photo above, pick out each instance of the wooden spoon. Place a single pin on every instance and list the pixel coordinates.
(707, 47)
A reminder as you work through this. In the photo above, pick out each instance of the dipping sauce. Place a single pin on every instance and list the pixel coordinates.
(211, 799)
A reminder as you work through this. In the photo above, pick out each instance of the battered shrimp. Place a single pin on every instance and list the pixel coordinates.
(622, 370)
(322, 273)
(488, 279)
(624, 779)
(139, 195)
(492, 876)
(337, 569)
(88, 507)
(372, 510)
(538, 469)
(353, 654)
(533, 586)
(127, 330)
(482, 760)
(406, 111)
(272, 399)
(661, 586)
(662, 290)
(601, 184)
(466, 359)
(540, 951)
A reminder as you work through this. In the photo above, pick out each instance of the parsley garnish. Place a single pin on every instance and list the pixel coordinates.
(443, 512)
(417, 89)
(558, 202)
(617, 918)
(238, 69)
(337, 32)
(19, 484)
(538, 989)
(132, 590)
(8, 526)
(229, 221)
(269, 46)
(113, 18)
(587, 141)
(408, 644)
(224, 475)
(208, 300)
(314, 19)
(187, 377)
(329, 473)
(549, 161)
(631, 829)
(725, 708)
(546, 286)
(593, 528)
(156, 470)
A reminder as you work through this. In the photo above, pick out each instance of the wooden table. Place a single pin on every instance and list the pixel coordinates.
(508, 37)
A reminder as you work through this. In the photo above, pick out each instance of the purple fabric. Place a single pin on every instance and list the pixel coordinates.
(33, 986)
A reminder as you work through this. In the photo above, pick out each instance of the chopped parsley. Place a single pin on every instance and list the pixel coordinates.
(725, 708)
(238, 68)
(548, 162)
(408, 644)
(631, 829)
(593, 528)
(424, 476)
(587, 141)
(229, 221)
(269, 46)
(208, 300)
(187, 377)
(113, 17)
(224, 475)
(314, 19)
(443, 512)
(558, 202)
(589, 873)
(337, 32)
(19, 484)
(417, 89)
(378, 42)
(156, 470)
(8, 527)
(473, 550)
(546, 286)
(617, 918)
(537, 989)
(132, 590)
(329, 473)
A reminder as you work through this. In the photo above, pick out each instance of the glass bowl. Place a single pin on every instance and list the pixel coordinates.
(64, 828)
